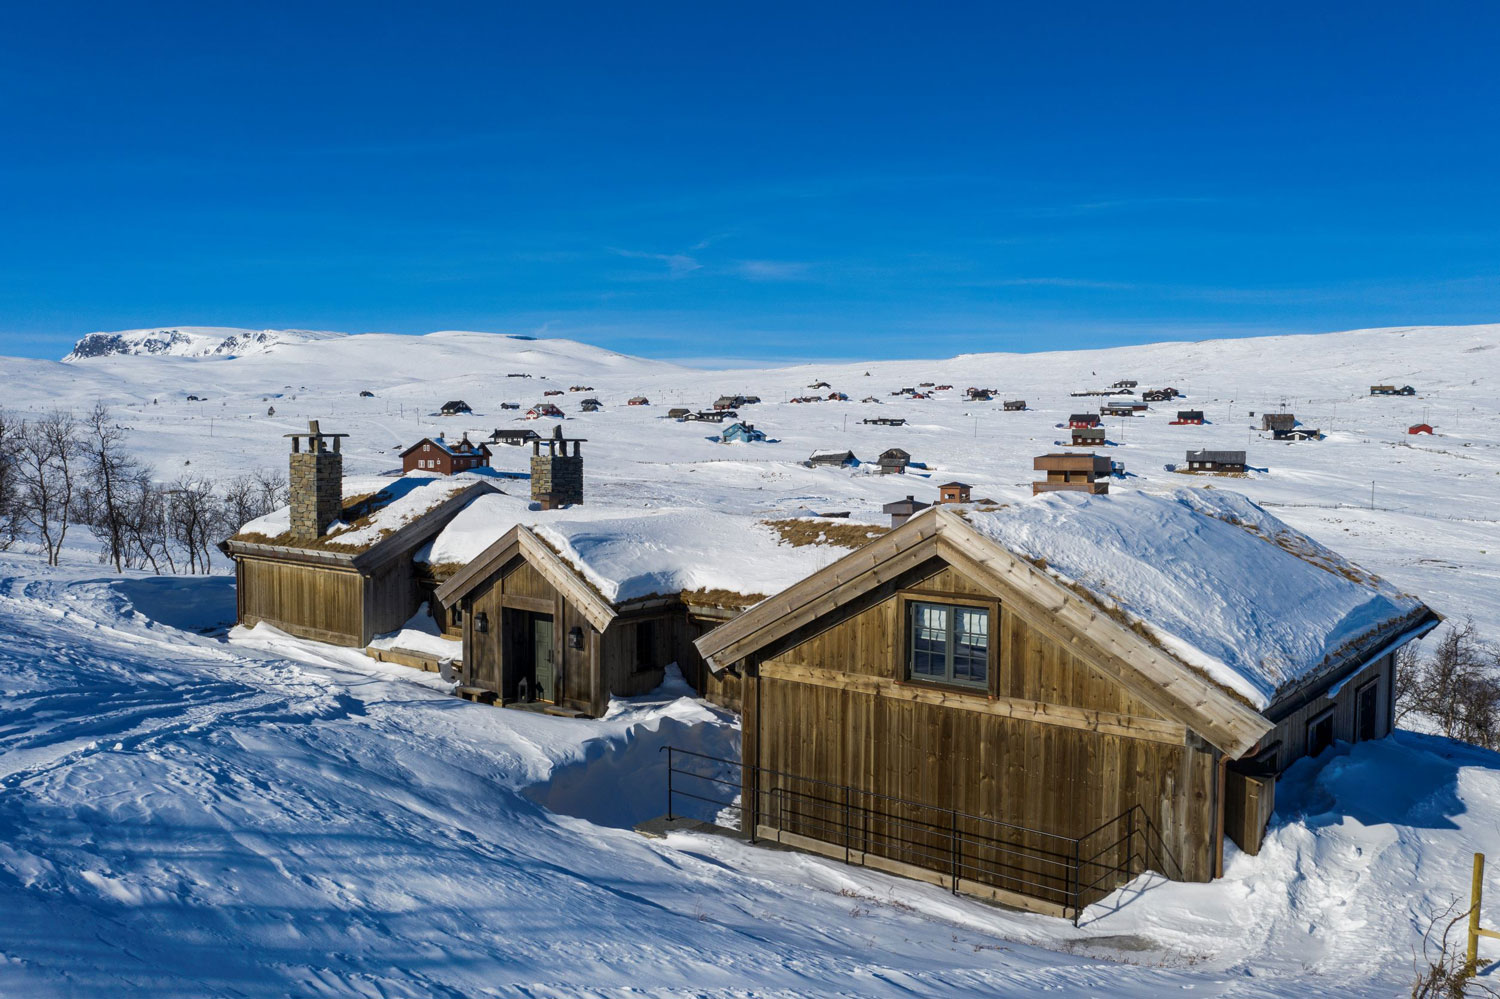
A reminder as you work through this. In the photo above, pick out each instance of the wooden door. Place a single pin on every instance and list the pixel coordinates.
(546, 668)
(1367, 698)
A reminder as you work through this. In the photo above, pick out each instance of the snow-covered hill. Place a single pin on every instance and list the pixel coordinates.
(189, 341)
(1424, 511)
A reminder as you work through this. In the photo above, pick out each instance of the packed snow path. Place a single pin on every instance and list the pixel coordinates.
(181, 816)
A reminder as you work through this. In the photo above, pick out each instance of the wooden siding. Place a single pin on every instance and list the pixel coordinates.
(836, 707)
(391, 597)
(1289, 737)
(323, 603)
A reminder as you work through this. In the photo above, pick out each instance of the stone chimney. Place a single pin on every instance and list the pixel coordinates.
(557, 476)
(317, 482)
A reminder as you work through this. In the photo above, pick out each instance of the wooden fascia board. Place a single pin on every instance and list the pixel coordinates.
(595, 608)
(478, 568)
(769, 620)
(1169, 685)
(282, 553)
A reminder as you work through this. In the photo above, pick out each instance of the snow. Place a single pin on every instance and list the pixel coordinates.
(189, 813)
(402, 499)
(272, 817)
(627, 555)
(420, 634)
(1217, 580)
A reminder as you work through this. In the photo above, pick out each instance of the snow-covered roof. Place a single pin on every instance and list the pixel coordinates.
(390, 503)
(626, 554)
(1220, 583)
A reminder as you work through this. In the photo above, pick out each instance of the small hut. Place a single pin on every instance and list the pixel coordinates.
(894, 461)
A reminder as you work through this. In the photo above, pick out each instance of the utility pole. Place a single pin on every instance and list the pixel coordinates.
(1372, 494)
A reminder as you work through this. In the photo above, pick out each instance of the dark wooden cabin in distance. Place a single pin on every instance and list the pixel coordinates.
(435, 454)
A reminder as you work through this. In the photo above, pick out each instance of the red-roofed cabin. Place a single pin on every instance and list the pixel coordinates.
(1419, 428)
(433, 454)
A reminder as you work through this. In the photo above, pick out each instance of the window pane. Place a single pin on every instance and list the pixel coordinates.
(929, 648)
(971, 645)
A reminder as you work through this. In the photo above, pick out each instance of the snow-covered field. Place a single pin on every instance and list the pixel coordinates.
(189, 813)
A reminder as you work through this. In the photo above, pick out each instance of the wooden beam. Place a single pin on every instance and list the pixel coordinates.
(1106, 723)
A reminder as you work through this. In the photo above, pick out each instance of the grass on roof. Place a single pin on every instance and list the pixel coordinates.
(358, 511)
(800, 533)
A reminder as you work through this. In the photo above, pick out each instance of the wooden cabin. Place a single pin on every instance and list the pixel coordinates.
(1126, 383)
(832, 458)
(893, 461)
(454, 407)
(304, 580)
(741, 433)
(884, 421)
(903, 510)
(1089, 437)
(1078, 420)
(678, 412)
(1122, 407)
(1188, 417)
(1297, 434)
(1392, 390)
(434, 454)
(1216, 461)
(542, 409)
(590, 405)
(1013, 405)
(1419, 428)
(638, 400)
(956, 705)
(1159, 395)
(954, 492)
(1277, 421)
(1085, 473)
(515, 438)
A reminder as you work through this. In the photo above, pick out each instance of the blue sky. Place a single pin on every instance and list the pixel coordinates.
(782, 180)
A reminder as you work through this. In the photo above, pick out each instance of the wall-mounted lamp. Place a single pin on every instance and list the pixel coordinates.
(575, 637)
(482, 623)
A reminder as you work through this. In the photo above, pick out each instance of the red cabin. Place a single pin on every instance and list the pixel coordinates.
(1419, 428)
(433, 454)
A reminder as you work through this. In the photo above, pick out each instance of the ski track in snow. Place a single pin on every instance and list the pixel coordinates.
(184, 817)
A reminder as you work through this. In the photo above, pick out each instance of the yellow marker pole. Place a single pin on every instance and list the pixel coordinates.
(1476, 896)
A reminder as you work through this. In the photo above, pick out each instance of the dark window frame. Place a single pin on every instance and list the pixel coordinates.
(1360, 717)
(645, 645)
(1316, 721)
(948, 681)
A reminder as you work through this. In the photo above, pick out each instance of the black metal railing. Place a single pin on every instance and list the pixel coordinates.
(973, 851)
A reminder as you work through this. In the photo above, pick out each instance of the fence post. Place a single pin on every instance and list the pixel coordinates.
(1476, 896)
(1077, 884)
(955, 850)
(669, 783)
(1130, 846)
(848, 828)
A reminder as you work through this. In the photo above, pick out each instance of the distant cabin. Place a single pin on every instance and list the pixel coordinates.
(517, 374)
(837, 397)
(194, 398)
(970, 695)
(1013, 405)
(366, 394)
(677, 412)
(1089, 437)
(542, 409)
(580, 388)
(730, 402)
(748, 400)
(638, 400)
(1297, 434)
(514, 438)
(903, 510)
(551, 392)
(1128, 383)
(1277, 421)
(1083, 420)
(510, 405)
(870, 398)
(885, 421)
(1216, 461)
(1419, 428)
(1085, 473)
(589, 406)
(924, 385)
(834, 458)
(741, 433)
(820, 385)
(954, 492)
(454, 407)
(711, 416)
(434, 454)
(1188, 417)
(1392, 390)
(1122, 407)
(894, 461)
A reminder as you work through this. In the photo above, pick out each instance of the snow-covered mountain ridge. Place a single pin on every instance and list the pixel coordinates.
(189, 341)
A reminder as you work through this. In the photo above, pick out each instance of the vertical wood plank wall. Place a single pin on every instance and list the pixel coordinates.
(1291, 728)
(1057, 779)
(325, 604)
